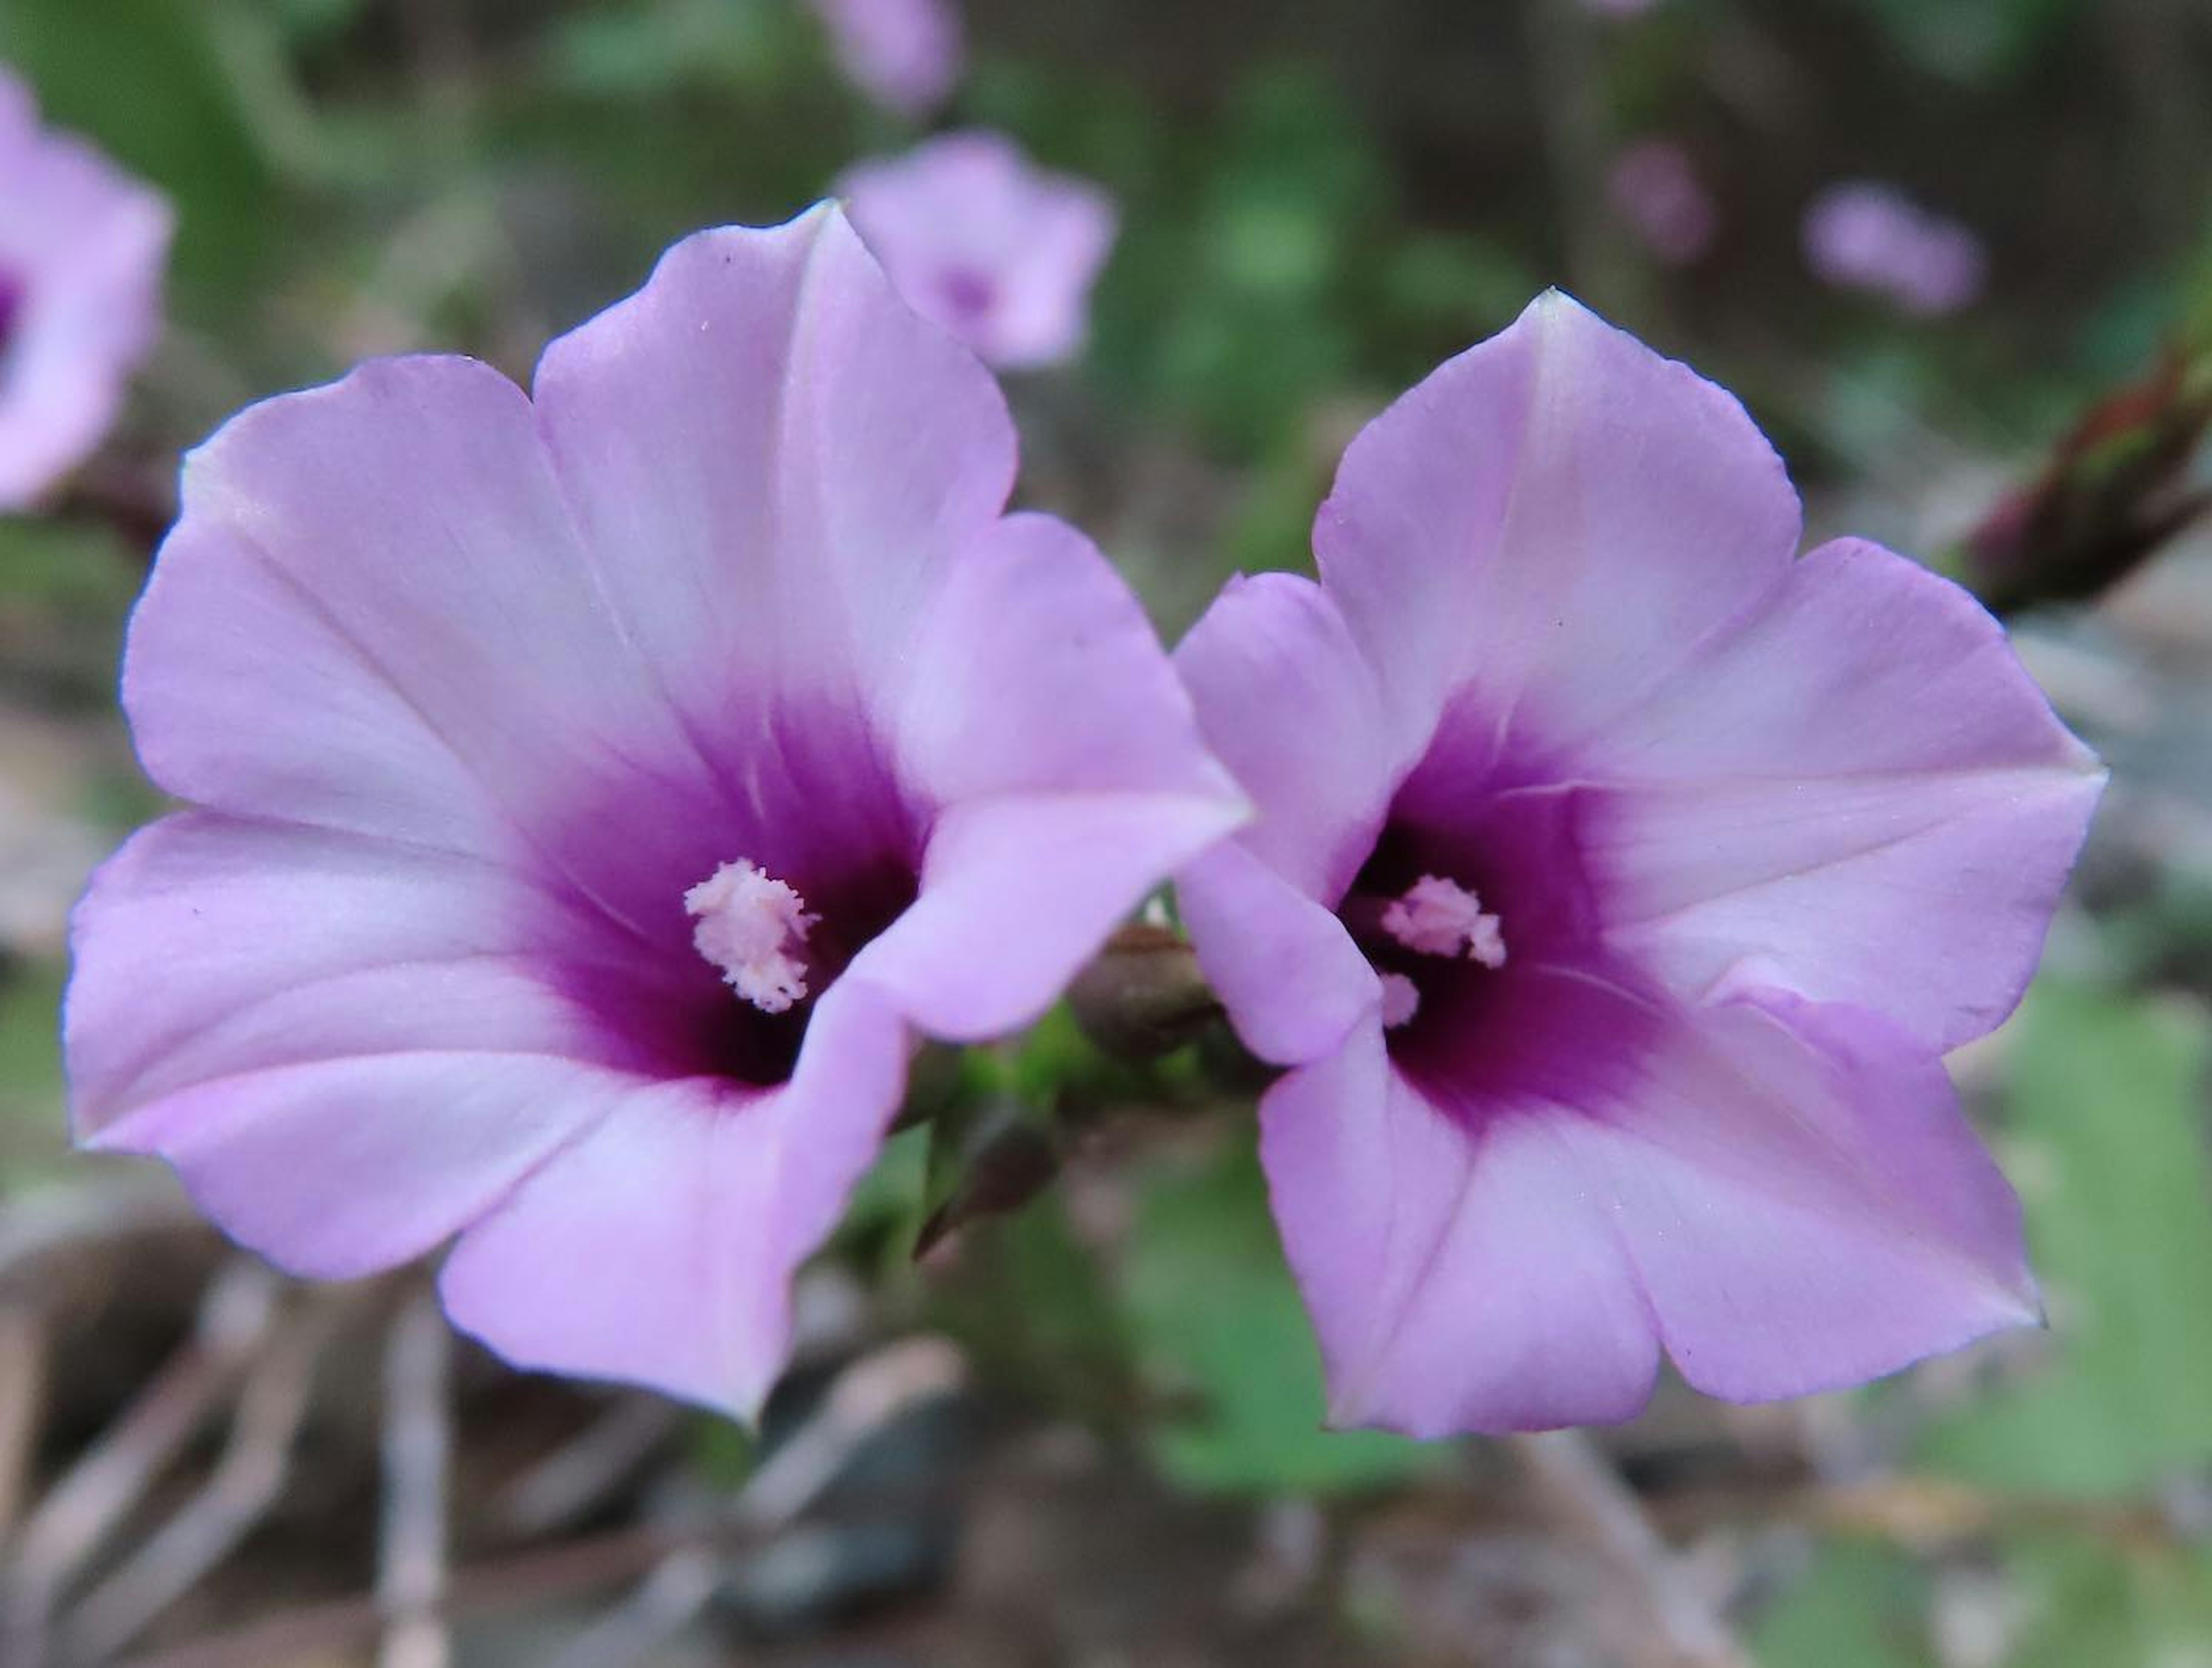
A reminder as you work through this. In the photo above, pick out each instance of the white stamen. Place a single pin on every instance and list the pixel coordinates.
(751, 926)
(1439, 917)
(1401, 1000)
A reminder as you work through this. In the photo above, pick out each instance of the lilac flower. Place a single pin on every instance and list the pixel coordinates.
(905, 54)
(593, 793)
(1001, 253)
(1618, 883)
(1656, 189)
(1870, 236)
(81, 249)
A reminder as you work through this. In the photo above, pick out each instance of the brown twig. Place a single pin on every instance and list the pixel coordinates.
(1586, 1495)
(868, 1396)
(237, 1495)
(77, 1515)
(410, 1582)
(577, 1478)
(91, 1214)
(22, 1397)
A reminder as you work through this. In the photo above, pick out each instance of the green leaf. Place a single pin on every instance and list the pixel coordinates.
(2094, 1603)
(1861, 1605)
(1215, 1314)
(33, 1123)
(2109, 1150)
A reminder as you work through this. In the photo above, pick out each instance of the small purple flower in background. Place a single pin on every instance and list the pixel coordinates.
(905, 54)
(81, 250)
(1620, 8)
(1618, 881)
(1001, 252)
(594, 792)
(1866, 235)
(1656, 189)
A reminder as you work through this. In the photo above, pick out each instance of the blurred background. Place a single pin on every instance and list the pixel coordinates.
(1956, 256)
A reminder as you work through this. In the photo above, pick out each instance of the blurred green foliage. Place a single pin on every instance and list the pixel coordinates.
(1217, 1318)
(2106, 1138)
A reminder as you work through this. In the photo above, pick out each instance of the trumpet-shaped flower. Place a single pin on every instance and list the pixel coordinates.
(81, 250)
(1001, 253)
(593, 793)
(1618, 880)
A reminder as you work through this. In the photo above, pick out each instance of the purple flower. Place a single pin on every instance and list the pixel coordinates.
(905, 54)
(1870, 236)
(1001, 252)
(594, 792)
(1618, 883)
(81, 250)
(1656, 189)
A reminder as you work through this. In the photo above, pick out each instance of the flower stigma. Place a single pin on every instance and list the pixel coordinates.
(1401, 1000)
(753, 927)
(1439, 917)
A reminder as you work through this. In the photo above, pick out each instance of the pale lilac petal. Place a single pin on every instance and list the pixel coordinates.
(83, 247)
(1291, 977)
(1858, 795)
(378, 583)
(659, 1248)
(1552, 520)
(1459, 1282)
(1019, 890)
(905, 54)
(773, 461)
(347, 1050)
(208, 949)
(1787, 1196)
(1287, 702)
(1001, 252)
(1804, 1204)
(1033, 606)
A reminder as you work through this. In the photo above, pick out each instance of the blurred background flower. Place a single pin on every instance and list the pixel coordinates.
(1001, 253)
(81, 248)
(906, 53)
(1866, 235)
(1656, 188)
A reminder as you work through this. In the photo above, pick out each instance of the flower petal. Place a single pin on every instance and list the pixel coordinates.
(375, 584)
(346, 1050)
(1286, 701)
(773, 459)
(1858, 795)
(1289, 975)
(1018, 891)
(1458, 1283)
(207, 948)
(1554, 518)
(660, 1249)
(1805, 1204)
(1034, 671)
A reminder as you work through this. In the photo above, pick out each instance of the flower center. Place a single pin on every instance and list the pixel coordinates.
(1434, 917)
(754, 928)
(13, 294)
(968, 295)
